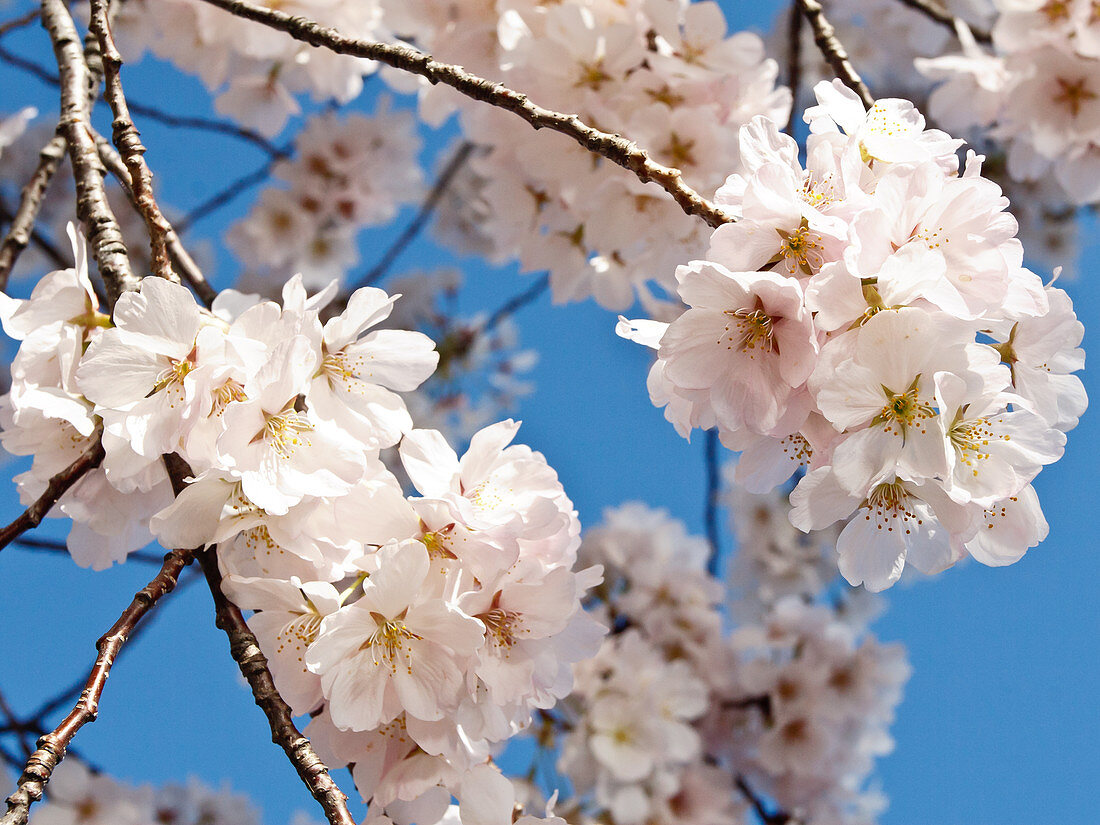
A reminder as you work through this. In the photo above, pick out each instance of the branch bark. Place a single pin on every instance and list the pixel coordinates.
(100, 226)
(55, 489)
(30, 201)
(182, 262)
(934, 11)
(246, 652)
(128, 140)
(833, 50)
(615, 148)
(51, 747)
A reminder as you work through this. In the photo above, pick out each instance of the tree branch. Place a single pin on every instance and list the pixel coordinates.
(423, 215)
(615, 148)
(766, 817)
(794, 61)
(30, 201)
(231, 191)
(57, 487)
(126, 137)
(934, 11)
(710, 507)
(182, 261)
(20, 22)
(100, 226)
(51, 747)
(517, 302)
(246, 652)
(832, 49)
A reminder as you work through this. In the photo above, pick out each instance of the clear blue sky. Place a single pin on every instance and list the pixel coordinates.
(1000, 722)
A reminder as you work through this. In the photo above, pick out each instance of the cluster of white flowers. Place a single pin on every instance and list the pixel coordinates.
(773, 559)
(868, 319)
(346, 174)
(676, 712)
(255, 70)
(662, 71)
(420, 630)
(812, 709)
(78, 796)
(1038, 92)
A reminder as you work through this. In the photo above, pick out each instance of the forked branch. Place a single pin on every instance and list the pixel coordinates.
(615, 148)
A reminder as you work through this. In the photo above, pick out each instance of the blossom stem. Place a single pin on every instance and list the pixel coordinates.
(833, 50)
(615, 148)
(253, 664)
(21, 230)
(51, 747)
(57, 487)
(100, 225)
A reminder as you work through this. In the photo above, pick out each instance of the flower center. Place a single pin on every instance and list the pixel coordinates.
(751, 330)
(391, 636)
(904, 410)
(283, 431)
(800, 250)
(501, 626)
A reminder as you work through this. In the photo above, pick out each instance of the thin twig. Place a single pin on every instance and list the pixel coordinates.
(517, 302)
(17, 727)
(934, 11)
(613, 147)
(423, 215)
(766, 817)
(20, 22)
(246, 652)
(30, 201)
(794, 61)
(227, 195)
(126, 137)
(206, 124)
(100, 226)
(55, 546)
(710, 508)
(832, 49)
(203, 124)
(182, 261)
(57, 487)
(51, 747)
(35, 722)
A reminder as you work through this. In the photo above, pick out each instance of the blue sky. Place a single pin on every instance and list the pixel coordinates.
(999, 725)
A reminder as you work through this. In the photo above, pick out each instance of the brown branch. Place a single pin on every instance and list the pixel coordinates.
(833, 50)
(203, 124)
(615, 148)
(51, 747)
(57, 487)
(934, 11)
(423, 215)
(766, 817)
(246, 652)
(100, 226)
(182, 262)
(128, 140)
(228, 194)
(794, 60)
(30, 201)
(20, 22)
(17, 727)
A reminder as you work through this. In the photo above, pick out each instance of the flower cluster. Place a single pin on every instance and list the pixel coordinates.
(868, 319)
(677, 720)
(256, 71)
(1038, 92)
(419, 630)
(345, 174)
(812, 708)
(78, 796)
(663, 71)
